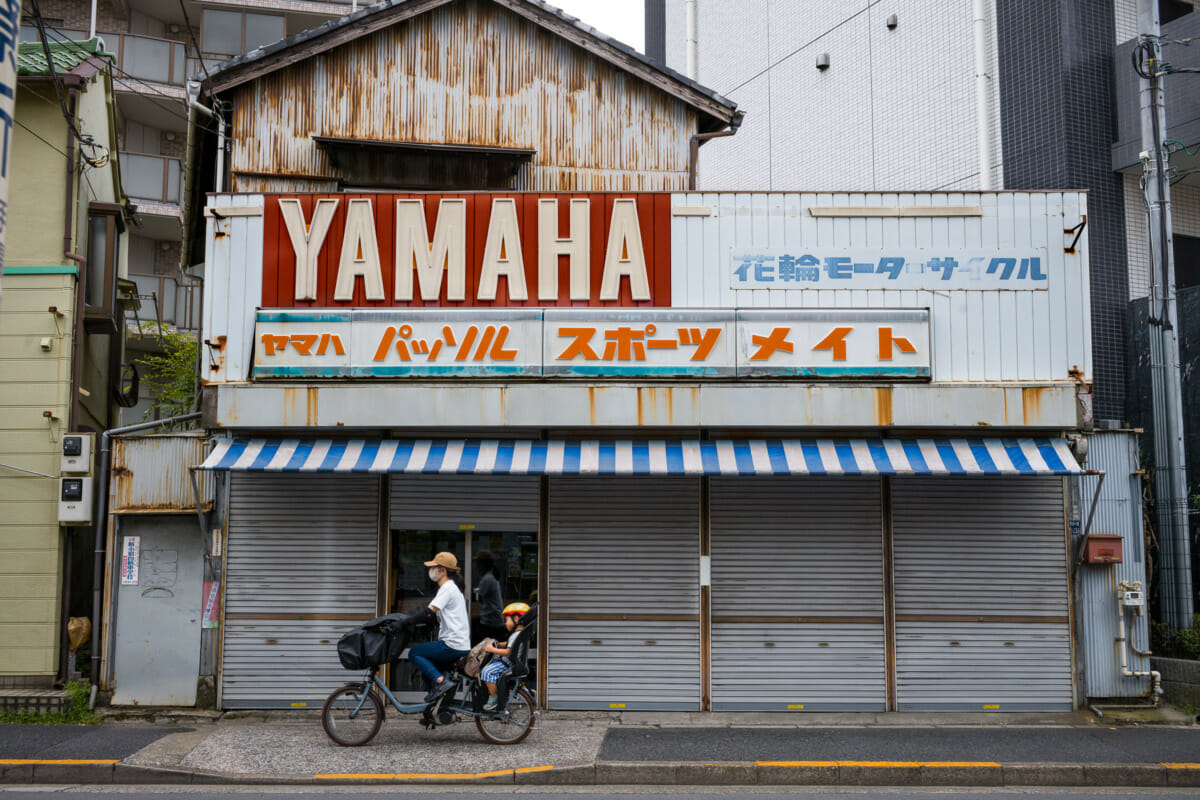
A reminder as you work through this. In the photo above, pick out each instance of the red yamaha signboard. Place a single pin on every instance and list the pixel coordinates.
(464, 250)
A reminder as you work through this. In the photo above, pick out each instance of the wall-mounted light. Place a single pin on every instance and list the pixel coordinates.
(892, 22)
(169, 136)
(823, 61)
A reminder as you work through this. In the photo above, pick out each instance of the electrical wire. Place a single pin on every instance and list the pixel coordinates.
(35, 135)
(1191, 151)
(63, 38)
(195, 45)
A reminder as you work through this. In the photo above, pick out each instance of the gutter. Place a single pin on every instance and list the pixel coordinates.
(700, 138)
(102, 526)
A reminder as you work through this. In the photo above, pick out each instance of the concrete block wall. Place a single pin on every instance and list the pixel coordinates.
(1181, 681)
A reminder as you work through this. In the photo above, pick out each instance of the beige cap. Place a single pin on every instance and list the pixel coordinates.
(446, 560)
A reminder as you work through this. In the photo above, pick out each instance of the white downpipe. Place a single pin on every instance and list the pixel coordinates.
(92, 24)
(1154, 676)
(693, 40)
(983, 95)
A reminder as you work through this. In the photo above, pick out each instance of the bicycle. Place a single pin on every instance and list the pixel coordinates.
(353, 714)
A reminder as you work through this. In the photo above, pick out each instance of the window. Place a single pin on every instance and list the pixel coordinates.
(104, 228)
(1187, 260)
(230, 33)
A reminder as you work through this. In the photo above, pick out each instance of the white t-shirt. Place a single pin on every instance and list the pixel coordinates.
(454, 626)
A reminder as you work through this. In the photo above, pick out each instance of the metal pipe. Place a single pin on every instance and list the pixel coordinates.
(102, 526)
(699, 139)
(693, 40)
(1171, 485)
(983, 96)
(1154, 676)
(92, 25)
(81, 282)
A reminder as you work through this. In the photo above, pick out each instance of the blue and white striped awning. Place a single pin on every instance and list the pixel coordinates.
(726, 457)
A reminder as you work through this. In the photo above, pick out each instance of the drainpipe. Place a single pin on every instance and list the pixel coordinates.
(983, 96)
(92, 26)
(1155, 677)
(193, 92)
(700, 138)
(693, 40)
(102, 530)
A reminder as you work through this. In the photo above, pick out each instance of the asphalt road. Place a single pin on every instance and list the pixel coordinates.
(617, 793)
(78, 741)
(1008, 745)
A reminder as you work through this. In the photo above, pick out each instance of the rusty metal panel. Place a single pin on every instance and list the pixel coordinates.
(987, 334)
(1118, 512)
(152, 474)
(468, 73)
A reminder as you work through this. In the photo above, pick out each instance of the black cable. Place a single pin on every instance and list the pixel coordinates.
(63, 39)
(195, 45)
(35, 135)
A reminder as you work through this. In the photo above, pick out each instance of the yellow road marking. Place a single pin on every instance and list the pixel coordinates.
(8, 762)
(989, 764)
(1179, 765)
(434, 776)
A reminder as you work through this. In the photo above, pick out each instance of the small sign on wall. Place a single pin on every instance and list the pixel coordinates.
(212, 593)
(130, 553)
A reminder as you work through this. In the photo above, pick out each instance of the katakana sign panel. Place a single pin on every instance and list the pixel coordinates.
(940, 270)
(645, 343)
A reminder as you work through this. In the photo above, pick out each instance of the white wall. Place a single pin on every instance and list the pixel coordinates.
(894, 111)
(1185, 219)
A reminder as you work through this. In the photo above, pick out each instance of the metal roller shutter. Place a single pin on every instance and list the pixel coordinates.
(488, 502)
(797, 594)
(624, 623)
(982, 619)
(301, 568)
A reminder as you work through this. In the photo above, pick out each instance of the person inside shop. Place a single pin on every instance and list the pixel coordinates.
(454, 627)
(487, 593)
(514, 614)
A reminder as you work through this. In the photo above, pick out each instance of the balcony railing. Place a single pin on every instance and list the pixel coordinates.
(139, 58)
(153, 178)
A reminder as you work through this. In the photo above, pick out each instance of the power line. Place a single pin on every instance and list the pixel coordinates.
(195, 45)
(37, 136)
(62, 38)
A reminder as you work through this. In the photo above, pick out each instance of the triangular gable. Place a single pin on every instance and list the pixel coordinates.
(265, 60)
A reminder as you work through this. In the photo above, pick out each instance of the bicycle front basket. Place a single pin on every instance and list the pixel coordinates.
(366, 647)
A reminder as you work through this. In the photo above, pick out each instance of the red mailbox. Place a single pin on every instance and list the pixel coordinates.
(1102, 548)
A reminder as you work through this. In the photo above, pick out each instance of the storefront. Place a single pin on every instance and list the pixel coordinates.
(773, 452)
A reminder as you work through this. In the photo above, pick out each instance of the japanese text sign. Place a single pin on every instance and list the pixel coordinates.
(855, 343)
(905, 269)
(130, 555)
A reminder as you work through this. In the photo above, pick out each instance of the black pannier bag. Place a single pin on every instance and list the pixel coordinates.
(375, 643)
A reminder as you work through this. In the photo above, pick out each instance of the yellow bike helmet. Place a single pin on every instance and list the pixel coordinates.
(517, 610)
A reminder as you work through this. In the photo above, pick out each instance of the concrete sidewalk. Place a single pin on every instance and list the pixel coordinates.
(623, 748)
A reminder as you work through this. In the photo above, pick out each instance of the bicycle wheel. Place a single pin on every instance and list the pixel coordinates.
(514, 724)
(343, 725)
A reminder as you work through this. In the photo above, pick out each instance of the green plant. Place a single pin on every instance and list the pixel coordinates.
(1173, 643)
(170, 376)
(77, 712)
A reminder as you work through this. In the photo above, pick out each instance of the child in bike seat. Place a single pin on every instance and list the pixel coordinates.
(513, 614)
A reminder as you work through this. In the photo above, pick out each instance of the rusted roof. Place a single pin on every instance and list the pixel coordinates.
(267, 59)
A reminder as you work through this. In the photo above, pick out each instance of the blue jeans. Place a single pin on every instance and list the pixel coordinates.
(429, 656)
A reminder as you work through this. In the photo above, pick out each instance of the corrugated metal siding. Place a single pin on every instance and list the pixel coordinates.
(621, 546)
(992, 547)
(467, 73)
(450, 502)
(153, 473)
(232, 291)
(1119, 511)
(797, 547)
(977, 335)
(297, 545)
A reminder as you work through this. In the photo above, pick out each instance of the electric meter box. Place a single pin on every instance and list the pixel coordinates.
(74, 501)
(1133, 599)
(77, 453)
(1102, 548)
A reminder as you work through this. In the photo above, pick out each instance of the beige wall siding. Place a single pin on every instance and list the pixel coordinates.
(35, 222)
(434, 78)
(32, 381)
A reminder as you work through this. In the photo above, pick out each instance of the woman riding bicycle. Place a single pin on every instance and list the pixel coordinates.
(454, 627)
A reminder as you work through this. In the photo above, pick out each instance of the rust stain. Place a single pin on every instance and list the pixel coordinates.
(639, 407)
(670, 392)
(1031, 403)
(591, 391)
(289, 403)
(1004, 394)
(311, 407)
(883, 405)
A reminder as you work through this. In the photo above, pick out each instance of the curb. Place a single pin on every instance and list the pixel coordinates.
(678, 773)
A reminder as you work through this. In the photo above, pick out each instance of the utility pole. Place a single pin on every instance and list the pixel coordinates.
(1171, 486)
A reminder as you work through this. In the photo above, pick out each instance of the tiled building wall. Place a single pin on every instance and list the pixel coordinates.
(895, 110)
(76, 15)
(1185, 219)
(1056, 74)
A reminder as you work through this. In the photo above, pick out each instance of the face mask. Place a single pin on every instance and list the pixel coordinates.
(434, 574)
